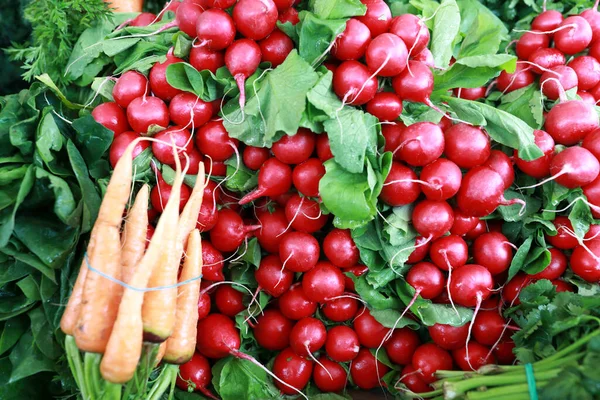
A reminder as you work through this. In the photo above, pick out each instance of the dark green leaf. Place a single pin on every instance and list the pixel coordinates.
(7, 217)
(65, 206)
(92, 139)
(11, 332)
(23, 389)
(518, 261)
(27, 359)
(29, 287)
(203, 84)
(43, 334)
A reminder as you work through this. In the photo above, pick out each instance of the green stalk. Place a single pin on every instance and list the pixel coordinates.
(493, 393)
(166, 378)
(92, 374)
(112, 391)
(76, 365)
(559, 354)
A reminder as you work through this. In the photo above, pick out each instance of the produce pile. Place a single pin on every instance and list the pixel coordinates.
(394, 196)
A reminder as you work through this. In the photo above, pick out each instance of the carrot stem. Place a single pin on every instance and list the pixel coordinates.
(92, 376)
(76, 365)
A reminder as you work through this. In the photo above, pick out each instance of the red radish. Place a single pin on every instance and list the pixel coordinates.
(215, 29)
(467, 146)
(203, 305)
(463, 223)
(386, 106)
(546, 21)
(574, 167)
(401, 345)
(298, 251)
(146, 111)
(426, 279)
(479, 229)
(290, 15)
(186, 110)
(449, 252)
(426, 57)
(112, 117)
(481, 192)
(353, 83)
(443, 178)
(293, 370)
(323, 148)
(202, 58)
(212, 261)
(503, 165)
(428, 359)
(562, 286)
(295, 305)
(163, 147)
(585, 263)
(473, 356)
(530, 42)
(158, 79)
(421, 144)
(274, 179)
(556, 268)
(329, 376)
(295, 149)
(366, 371)
(370, 333)
(421, 249)
(191, 160)
(159, 196)
(207, 217)
(471, 284)
(522, 77)
(576, 36)
(342, 344)
(588, 72)
(242, 59)
(538, 168)
(273, 226)
(591, 142)
(341, 309)
(493, 251)
(197, 374)
(272, 277)
(120, 143)
(230, 231)
(592, 16)
(186, 16)
(392, 133)
(378, 17)
(283, 5)
(449, 337)
(339, 248)
(129, 86)
(222, 4)
(215, 168)
(255, 19)
(353, 42)
(544, 59)
(511, 290)
(401, 186)
(213, 140)
(272, 330)
(323, 282)
(386, 55)
(412, 380)
(504, 352)
(556, 79)
(307, 336)
(470, 93)
(432, 219)
(306, 177)
(594, 50)
(592, 193)
(143, 19)
(275, 48)
(255, 157)
(489, 327)
(570, 121)
(415, 83)
(304, 214)
(412, 31)
(586, 97)
(217, 336)
(229, 301)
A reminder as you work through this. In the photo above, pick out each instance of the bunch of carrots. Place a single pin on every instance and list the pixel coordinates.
(127, 311)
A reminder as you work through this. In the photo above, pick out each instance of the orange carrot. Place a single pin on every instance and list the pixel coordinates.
(182, 343)
(134, 234)
(189, 215)
(162, 348)
(125, 5)
(100, 298)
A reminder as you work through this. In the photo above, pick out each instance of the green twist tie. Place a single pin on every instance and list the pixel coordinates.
(533, 395)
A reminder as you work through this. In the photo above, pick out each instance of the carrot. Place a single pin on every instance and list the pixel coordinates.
(162, 348)
(182, 343)
(134, 234)
(189, 215)
(125, 5)
(124, 347)
(100, 297)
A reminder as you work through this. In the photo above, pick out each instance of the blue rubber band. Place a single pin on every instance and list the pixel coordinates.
(125, 285)
(533, 395)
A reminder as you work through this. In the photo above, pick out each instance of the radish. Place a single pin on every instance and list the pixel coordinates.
(586, 97)
(186, 16)
(473, 356)
(215, 168)
(470, 93)
(392, 133)
(546, 21)
(427, 280)
(402, 345)
(441, 179)
(272, 226)
(463, 223)
(272, 277)
(530, 42)
(255, 157)
(213, 140)
(401, 186)
(275, 48)
(370, 333)
(353, 83)
(323, 282)
(342, 344)
(186, 109)
(292, 369)
(212, 261)
(295, 149)
(298, 251)
(308, 336)
(342, 308)
(449, 337)
(143, 19)
(215, 29)
(386, 106)
(420, 251)
(412, 31)
(587, 70)
(493, 251)
(255, 19)
(511, 290)
(386, 55)
(146, 111)
(421, 144)
(410, 378)
(307, 175)
(366, 371)
(158, 78)
(592, 16)
(229, 301)
(489, 327)
(272, 330)
(304, 214)
(207, 216)
(323, 149)
(521, 78)
(340, 249)
(562, 76)
(428, 359)
(162, 148)
(449, 252)
(112, 117)
(481, 192)
(562, 286)
(592, 194)
(230, 231)
(217, 336)
(129, 86)
(545, 58)
(594, 50)
(295, 305)
(196, 372)
(290, 15)
(504, 352)
(585, 263)
(554, 270)
(432, 219)
(353, 42)
(242, 59)
(274, 179)
(329, 376)
(160, 194)
(283, 5)
(378, 17)
(203, 305)
(540, 167)
(570, 121)
(202, 58)
(575, 37)
(415, 83)
(479, 229)
(467, 146)
(222, 4)
(426, 57)
(574, 167)
(503, 165)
